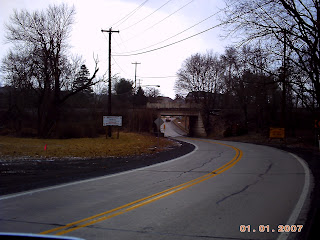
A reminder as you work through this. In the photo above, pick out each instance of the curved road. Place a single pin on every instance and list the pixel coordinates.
(222, 190)
(171, 130)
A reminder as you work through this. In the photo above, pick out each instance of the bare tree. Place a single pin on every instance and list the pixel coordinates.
(200, 73)
(202, 76)
(290, 26)
(250, 82)
(152, 92)
(40, 60)
(231, 63)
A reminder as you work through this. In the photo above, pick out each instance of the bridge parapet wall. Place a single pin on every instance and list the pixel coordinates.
(175, 105)
(177, 112)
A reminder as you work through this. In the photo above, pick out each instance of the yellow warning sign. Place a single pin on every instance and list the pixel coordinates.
(277, 133)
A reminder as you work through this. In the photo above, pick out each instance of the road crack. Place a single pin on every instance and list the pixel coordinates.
(260, 178)
(202, 165)
(192, 170)
(30, 222)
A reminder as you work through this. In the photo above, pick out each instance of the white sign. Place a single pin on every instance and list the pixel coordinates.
(158, 122)
(112, 121)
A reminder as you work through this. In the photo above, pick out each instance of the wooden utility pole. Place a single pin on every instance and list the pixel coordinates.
(110, 31)
(135, 75)
(284, 87)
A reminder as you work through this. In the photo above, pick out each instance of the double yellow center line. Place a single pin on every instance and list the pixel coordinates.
(144, 201)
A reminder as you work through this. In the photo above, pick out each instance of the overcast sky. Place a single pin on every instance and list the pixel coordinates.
(150, 27)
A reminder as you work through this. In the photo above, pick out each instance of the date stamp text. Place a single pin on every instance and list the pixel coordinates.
(266, 228)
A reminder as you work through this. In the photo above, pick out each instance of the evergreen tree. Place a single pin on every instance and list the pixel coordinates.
(81, 79)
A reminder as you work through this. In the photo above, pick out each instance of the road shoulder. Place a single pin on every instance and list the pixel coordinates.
(23, 174)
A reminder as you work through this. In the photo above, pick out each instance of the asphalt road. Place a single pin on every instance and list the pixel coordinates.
(171, 130)
(219, 191)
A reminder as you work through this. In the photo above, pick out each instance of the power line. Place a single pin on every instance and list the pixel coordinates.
(159, 77)
(111, 55)
(119, 44)
(118, 65)
(125, 18)
(205, 19)
(159, 21)
(122, 42)
(169, 15)
(178, 33)
(155, 49)
(140, 51)
(147, 16)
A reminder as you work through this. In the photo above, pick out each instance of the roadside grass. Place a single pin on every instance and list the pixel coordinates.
(128, 144)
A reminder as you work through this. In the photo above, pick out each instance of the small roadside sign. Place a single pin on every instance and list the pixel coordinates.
(277, 133)
(158, 122)
(112, 121)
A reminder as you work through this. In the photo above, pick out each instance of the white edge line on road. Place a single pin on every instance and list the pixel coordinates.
(14, 195)
(297, 210)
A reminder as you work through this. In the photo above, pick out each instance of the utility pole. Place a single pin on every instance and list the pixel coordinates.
(139, 83)
(284, 90)
(135, 75)
(110, 31)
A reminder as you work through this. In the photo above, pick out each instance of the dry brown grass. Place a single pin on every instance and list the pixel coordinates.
(127, 145)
